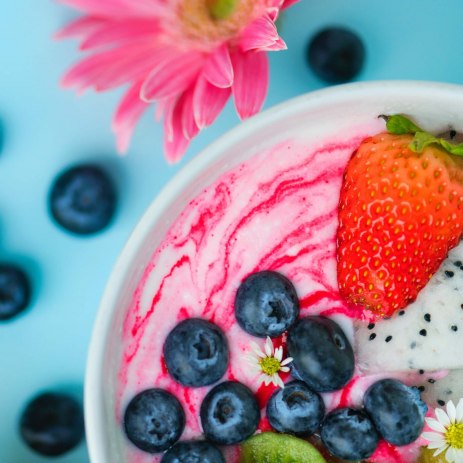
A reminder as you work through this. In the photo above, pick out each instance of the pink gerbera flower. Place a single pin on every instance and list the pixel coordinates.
(187, 56)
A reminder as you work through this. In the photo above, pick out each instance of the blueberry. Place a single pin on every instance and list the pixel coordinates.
(15, 291)
(193, 452)
(336, 55)
(154, 420)
(322, 355)
(296, 409)
(52, 423)
(349, 434)
(396, 409)
(229, 413)
(82, 199)
(196, 353)
(266, 304)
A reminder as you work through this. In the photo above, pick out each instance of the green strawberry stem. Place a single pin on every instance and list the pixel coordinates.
(398, 124)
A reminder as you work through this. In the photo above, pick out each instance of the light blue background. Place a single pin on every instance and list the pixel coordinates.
(46, 129)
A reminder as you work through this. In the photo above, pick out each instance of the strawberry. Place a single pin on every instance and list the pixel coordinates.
(400, 212)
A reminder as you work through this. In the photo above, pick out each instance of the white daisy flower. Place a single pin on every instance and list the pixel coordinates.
(268, 362)
(448, 432)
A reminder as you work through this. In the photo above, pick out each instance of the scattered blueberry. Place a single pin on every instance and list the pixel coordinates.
(266, 304)
(193, 452)
(83, 199)
(336, 55)
(229, 413)
(322, 355)
(196, 352)
(396, 410)
(52, 423)
(296, 409)
(15, 291)
(154, 420)
(349, 434)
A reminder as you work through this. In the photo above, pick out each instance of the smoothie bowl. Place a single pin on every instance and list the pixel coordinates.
(269, 307)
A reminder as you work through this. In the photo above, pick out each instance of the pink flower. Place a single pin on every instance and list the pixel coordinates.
(187, 56)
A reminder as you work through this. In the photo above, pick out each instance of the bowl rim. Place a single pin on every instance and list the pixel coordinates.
(93, 391)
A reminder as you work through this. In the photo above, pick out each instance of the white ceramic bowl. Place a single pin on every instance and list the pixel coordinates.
(309, 117)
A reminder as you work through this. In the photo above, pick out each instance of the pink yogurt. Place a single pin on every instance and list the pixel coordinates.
(277, 211)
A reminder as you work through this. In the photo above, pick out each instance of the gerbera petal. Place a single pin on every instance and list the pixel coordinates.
(112, 68)
(442, 417)
(435, 425)
(436, 445)
(458, 454)
(459, 411)
(267, 380)
(189, 127)
(171, 76)
(121, 31)
(128, 113)
(218, 69)
(433, 437)
(288, 3)
(208, 102)
(259, 35)
(451, 411)
(81, 27)
(284, 369)
(175, 143)
(116, 8)
(251, 82)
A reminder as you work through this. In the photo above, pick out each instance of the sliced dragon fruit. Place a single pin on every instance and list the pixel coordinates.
(428, 335)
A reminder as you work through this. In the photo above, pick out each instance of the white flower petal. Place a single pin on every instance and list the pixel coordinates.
(284, 369)
(451, 411)
(442, 417)
(433, 437)
(287, 360)
(435, 425)
(439, 451)
(267, 380)
(459, 411)
(257, 350)
(279, 353)
(278, 381)
(269, 347)
(450, 455)
(458, 454)
(437, 445)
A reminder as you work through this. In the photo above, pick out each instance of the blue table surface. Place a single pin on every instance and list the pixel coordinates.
(47, 128)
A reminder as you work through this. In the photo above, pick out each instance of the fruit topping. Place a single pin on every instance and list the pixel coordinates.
(229, 413)
(154, 420)
(266, 304)
(322, 355)
(396, 410)
(268, 362)
(52, 423)
(196, 352)
(336, 55)
(270, 447)
(15, 291)
(193, 452)
(349, 434)
(83, 199)
(400, 212)
(296, 409)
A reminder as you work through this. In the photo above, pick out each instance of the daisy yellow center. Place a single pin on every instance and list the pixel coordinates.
(212, 21)
(454, 435)
(269, 365)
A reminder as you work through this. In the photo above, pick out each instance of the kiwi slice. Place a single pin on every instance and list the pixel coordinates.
(270, 447)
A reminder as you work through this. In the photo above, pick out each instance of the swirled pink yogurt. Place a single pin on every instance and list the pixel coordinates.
(277, 211)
